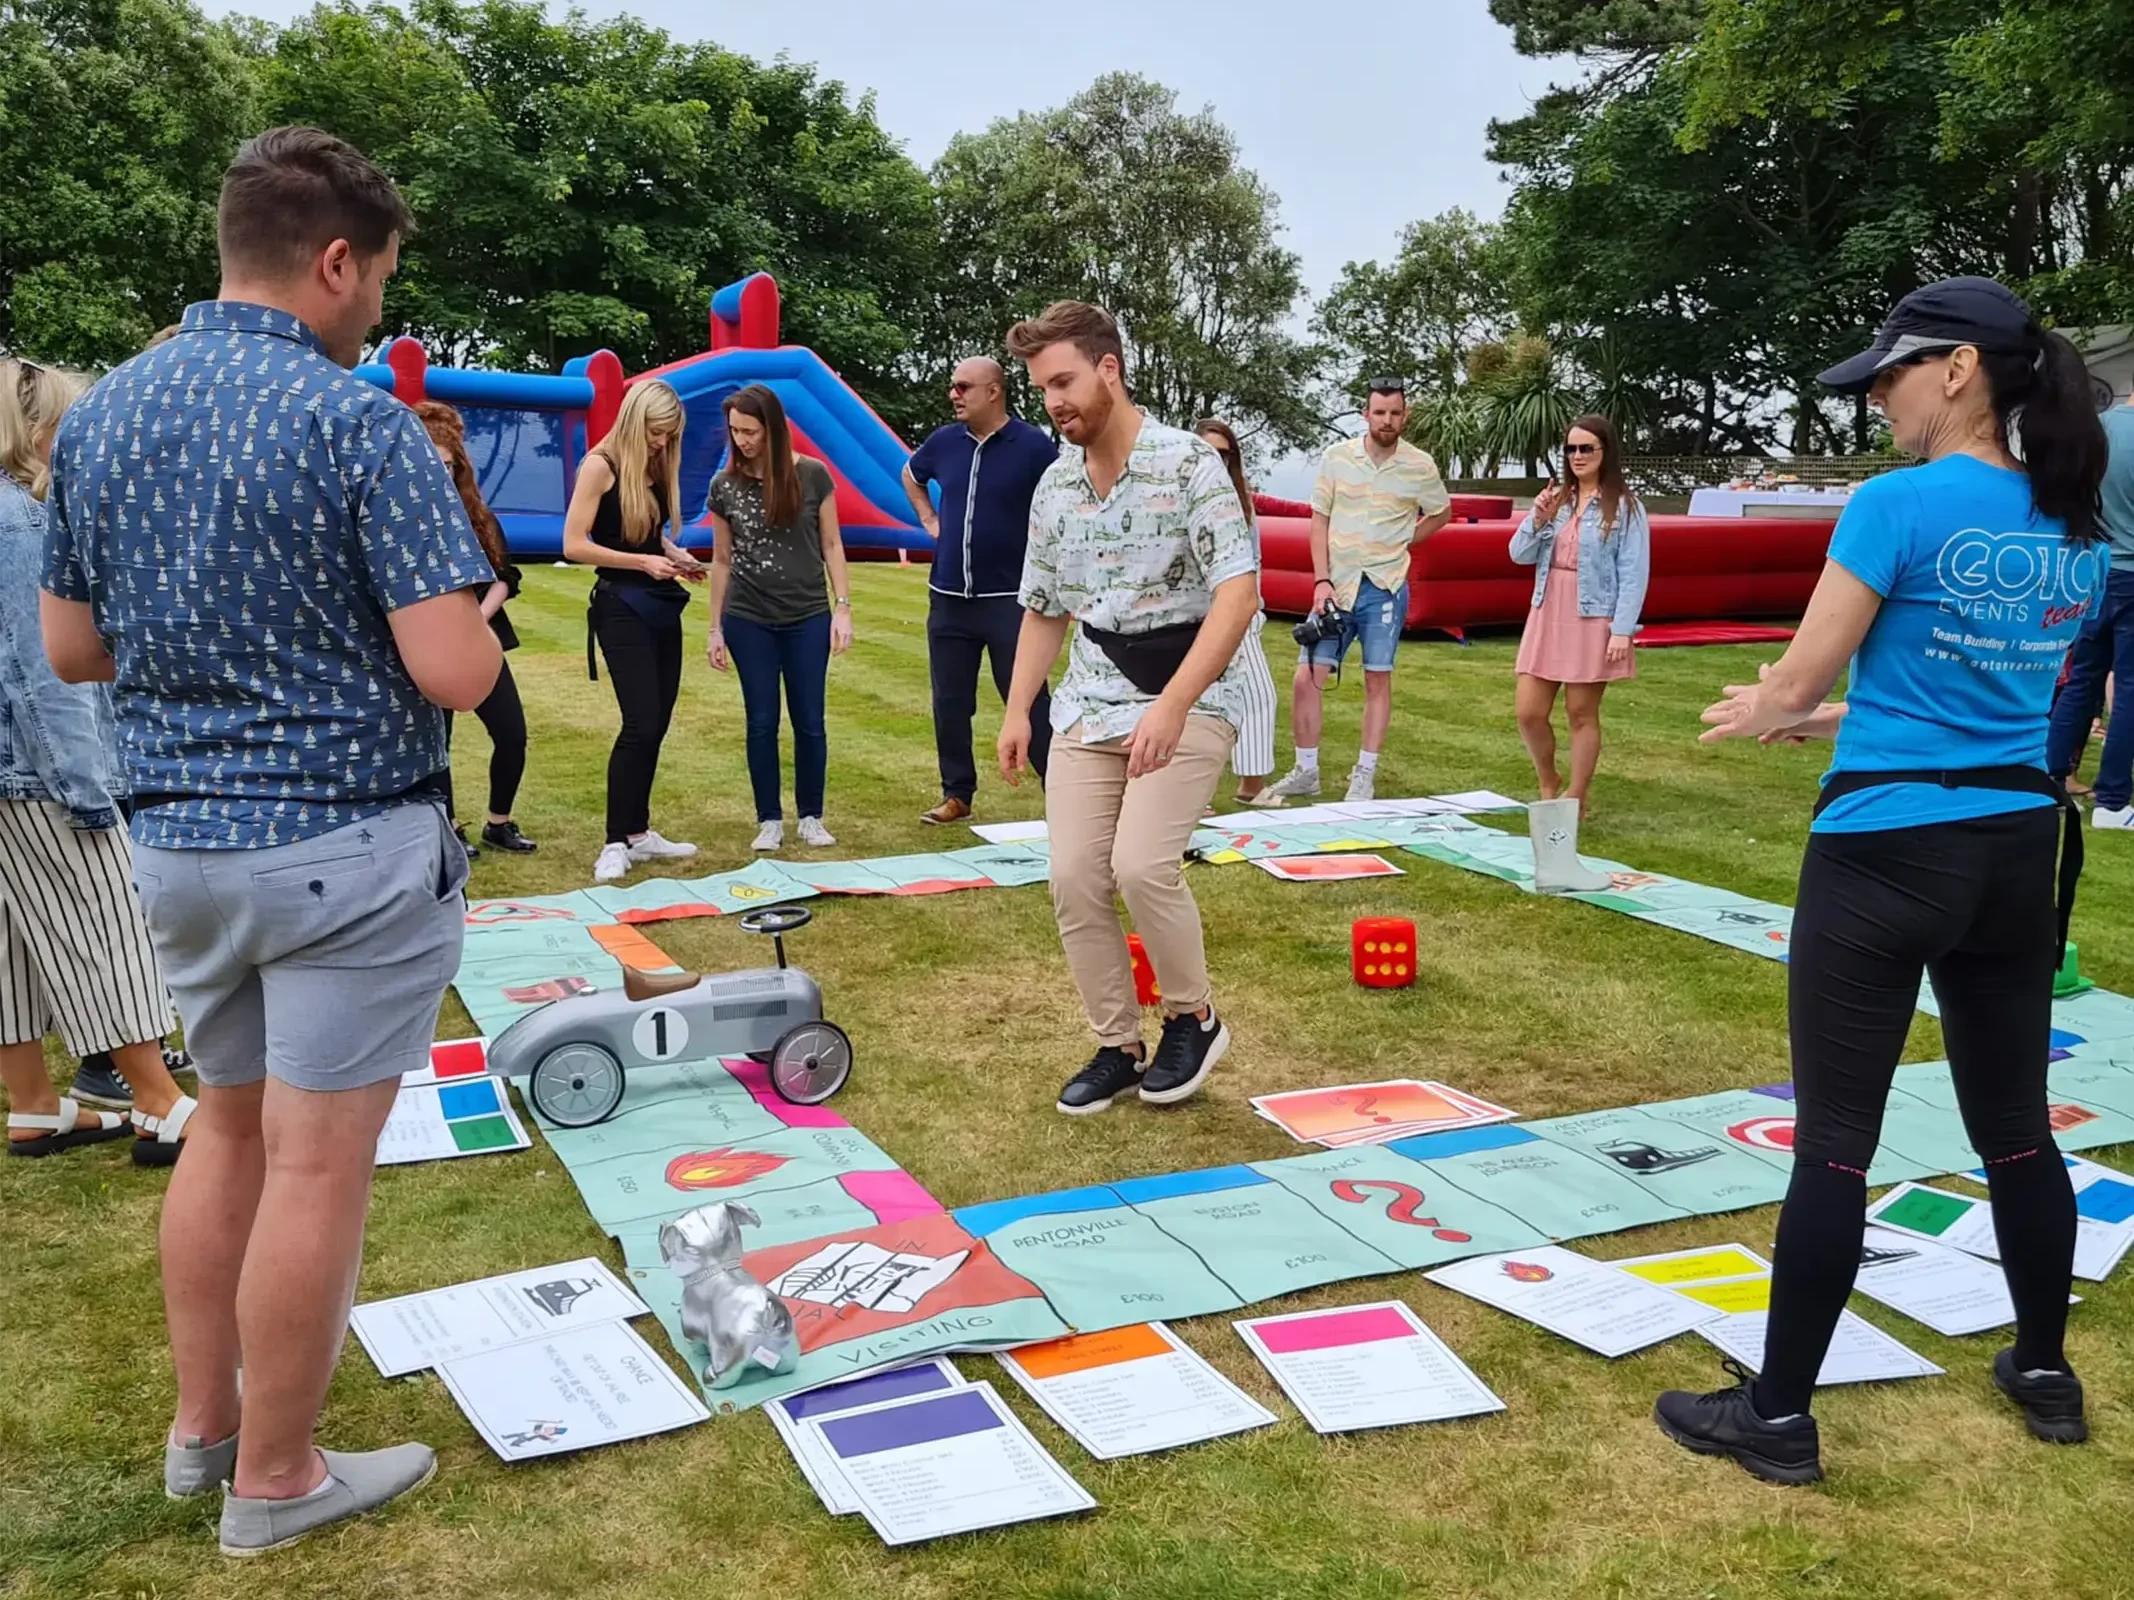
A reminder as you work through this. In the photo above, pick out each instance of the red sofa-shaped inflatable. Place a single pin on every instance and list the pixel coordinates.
(1462, 576)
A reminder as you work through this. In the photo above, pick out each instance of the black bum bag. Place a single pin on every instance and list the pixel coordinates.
(1149, 660)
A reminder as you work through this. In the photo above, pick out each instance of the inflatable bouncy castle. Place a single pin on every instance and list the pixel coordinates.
(1462, 576)
(527, 432)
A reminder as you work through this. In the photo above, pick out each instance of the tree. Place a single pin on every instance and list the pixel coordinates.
(1120, 199)
(580, 184)
(116, 120)
(1448, 290)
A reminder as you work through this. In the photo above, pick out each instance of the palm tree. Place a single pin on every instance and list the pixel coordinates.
(1528, 406)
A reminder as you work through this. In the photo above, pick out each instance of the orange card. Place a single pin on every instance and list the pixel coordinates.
(1364, 1108)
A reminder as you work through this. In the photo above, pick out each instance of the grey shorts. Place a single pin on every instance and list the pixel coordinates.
(321, 963)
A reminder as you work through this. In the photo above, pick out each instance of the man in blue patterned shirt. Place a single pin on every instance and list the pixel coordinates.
(266, 558)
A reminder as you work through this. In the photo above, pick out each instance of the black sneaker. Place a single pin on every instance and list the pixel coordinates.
(97, 1083)
(1725, 1423)
(506, 836)
(1111, 1072)
(1188, 1049)
(178, 1063)
(459, 832)
(2051, 1401)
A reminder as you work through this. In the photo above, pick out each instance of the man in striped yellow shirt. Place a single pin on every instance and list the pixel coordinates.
(1377, 497)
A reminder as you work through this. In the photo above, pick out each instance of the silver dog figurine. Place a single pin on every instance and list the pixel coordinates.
(736, 1319)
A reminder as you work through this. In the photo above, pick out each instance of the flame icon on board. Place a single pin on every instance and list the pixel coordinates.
(1527, 1272)
(720, 1169)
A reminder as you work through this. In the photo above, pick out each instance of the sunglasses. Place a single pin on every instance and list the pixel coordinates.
(964, 388)
(1581, 449)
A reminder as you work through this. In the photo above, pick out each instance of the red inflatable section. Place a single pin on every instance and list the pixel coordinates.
(1462, 576)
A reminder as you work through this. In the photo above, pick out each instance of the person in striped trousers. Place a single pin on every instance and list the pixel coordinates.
(1252, 757)
(74, 948)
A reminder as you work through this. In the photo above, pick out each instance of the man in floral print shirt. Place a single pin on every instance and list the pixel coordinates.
(1136, 535)
(265, 556)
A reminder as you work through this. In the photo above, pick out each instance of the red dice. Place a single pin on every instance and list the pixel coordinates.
(1145, 990)
(1382, 952)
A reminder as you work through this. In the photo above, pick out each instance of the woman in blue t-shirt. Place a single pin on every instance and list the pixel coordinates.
(1953, 590)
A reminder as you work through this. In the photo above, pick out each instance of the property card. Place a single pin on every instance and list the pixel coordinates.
(452, 1058)
(1481, 800)
(2104, 1217)
(589, 1386)
(1587, 1302)
(1368, 810)
(1956, 1220)
(414, 1331)
(1132, 1390)
(437, 1121)
(1948, 1290)
(1736, 1282)
(1373, 1112)
(1859, 1351)
(937, 1464)
(1374, 1366)
(816, 1463)
(1326, 869)
(1010, 832)
(1704, 1264)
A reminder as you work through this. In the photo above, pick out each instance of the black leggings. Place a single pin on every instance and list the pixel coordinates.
(1971, 904)
(645, 670)
(504, 719)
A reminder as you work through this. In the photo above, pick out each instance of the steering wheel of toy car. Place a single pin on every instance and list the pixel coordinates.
(776, 919)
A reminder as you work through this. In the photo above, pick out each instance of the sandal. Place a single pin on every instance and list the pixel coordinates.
(61, 1130)
(158, 1142)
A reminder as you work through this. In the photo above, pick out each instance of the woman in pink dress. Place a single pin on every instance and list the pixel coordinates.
(1591, 550)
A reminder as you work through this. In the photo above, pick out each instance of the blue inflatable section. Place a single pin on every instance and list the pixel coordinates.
(526, 436)
(836, 424)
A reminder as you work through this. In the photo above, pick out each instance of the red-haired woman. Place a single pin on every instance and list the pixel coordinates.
(1592, 551)
(502, 714)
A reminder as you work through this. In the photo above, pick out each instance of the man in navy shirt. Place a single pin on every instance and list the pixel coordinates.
(265, 557)
(986, 464)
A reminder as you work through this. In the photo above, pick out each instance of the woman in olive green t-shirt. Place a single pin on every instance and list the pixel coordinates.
(775, 515)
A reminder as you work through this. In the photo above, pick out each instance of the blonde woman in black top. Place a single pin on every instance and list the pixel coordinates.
(622, 520)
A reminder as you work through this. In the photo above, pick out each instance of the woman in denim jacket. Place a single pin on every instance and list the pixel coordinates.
(74, 948)
(1591, 549)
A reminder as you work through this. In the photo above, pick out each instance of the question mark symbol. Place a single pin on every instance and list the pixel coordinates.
(1363, 1109)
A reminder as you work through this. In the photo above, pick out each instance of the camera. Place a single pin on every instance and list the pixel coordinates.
(1325, 623)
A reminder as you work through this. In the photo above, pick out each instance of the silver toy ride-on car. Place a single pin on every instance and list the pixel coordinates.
(574, 1053)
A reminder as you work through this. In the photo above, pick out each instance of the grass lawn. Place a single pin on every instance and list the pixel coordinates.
(965, 1024)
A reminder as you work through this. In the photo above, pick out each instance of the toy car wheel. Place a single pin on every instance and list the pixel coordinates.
(811, 1062)
(576, 1085)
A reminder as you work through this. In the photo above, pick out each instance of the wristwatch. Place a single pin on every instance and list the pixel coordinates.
(844, 603)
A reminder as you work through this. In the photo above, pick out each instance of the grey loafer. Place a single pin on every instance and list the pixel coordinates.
(194, 1466)
(357, 1482)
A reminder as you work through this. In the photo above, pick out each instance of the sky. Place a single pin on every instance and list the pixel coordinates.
(1361, 118)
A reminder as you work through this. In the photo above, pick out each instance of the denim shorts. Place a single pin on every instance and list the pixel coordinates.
(1376, 619)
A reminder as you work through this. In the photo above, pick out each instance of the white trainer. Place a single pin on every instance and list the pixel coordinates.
(2117, 817)
(770, 836)
(1296, 784)
(612, 864)
(1360, 783)
(813, 832)
(654, 848)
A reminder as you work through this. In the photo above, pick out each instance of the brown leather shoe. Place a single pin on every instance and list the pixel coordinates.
(949, 810)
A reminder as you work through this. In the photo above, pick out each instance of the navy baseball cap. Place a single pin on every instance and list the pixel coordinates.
(1939, 317)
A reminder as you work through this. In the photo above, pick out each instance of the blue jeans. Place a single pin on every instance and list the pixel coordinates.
(1377, 619)
(2105, 645)
(798, 653)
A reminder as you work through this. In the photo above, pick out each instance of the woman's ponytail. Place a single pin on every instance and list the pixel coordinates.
(2046, 404)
